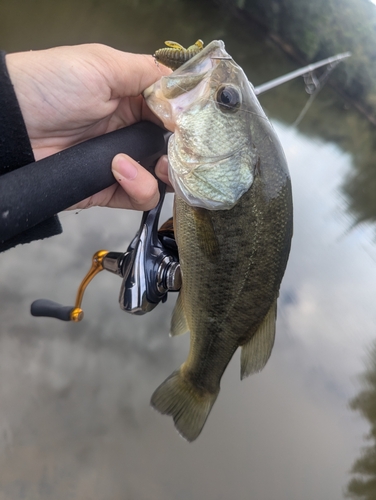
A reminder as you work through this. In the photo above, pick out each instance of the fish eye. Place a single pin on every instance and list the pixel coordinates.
(228, 98)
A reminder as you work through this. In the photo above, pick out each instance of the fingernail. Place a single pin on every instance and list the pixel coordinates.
(123, 168)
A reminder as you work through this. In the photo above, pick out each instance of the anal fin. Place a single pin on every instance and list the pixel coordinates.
(256, 352)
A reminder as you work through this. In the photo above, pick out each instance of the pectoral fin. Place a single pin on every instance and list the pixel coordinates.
(206, 236)
(179, 323)
(256, 352)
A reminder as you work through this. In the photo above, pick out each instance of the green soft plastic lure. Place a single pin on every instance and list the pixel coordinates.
(174, 55)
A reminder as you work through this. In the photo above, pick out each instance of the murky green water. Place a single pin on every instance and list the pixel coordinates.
(75, 421)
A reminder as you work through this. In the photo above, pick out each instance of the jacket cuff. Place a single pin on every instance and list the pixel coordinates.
(16, 152)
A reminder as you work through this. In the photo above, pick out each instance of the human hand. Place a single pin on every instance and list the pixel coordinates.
(70, 94)
(136, 189)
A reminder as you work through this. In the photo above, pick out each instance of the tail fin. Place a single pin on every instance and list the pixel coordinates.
(188, 406)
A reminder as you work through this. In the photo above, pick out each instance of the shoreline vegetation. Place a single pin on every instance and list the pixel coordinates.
(310, 31)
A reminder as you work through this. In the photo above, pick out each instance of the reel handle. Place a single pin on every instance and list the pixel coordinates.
(51, 309)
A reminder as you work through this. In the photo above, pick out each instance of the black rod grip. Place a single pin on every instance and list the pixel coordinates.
(35, 192)
(50, 309)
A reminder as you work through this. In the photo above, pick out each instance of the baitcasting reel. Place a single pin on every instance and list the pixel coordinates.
(150, 269)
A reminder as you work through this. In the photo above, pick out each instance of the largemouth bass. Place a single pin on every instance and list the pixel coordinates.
(233, 227)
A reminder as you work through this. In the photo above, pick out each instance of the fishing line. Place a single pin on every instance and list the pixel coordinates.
(318, 84)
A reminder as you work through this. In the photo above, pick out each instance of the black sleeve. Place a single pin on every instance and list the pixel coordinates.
(15, 152)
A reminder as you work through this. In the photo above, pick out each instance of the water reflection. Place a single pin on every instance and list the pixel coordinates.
(74, 410)
(362, 485)
(75, 420)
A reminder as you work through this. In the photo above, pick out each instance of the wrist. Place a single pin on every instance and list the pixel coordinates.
(17, 66)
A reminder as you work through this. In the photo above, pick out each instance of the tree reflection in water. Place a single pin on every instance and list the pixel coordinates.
(363, 484)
